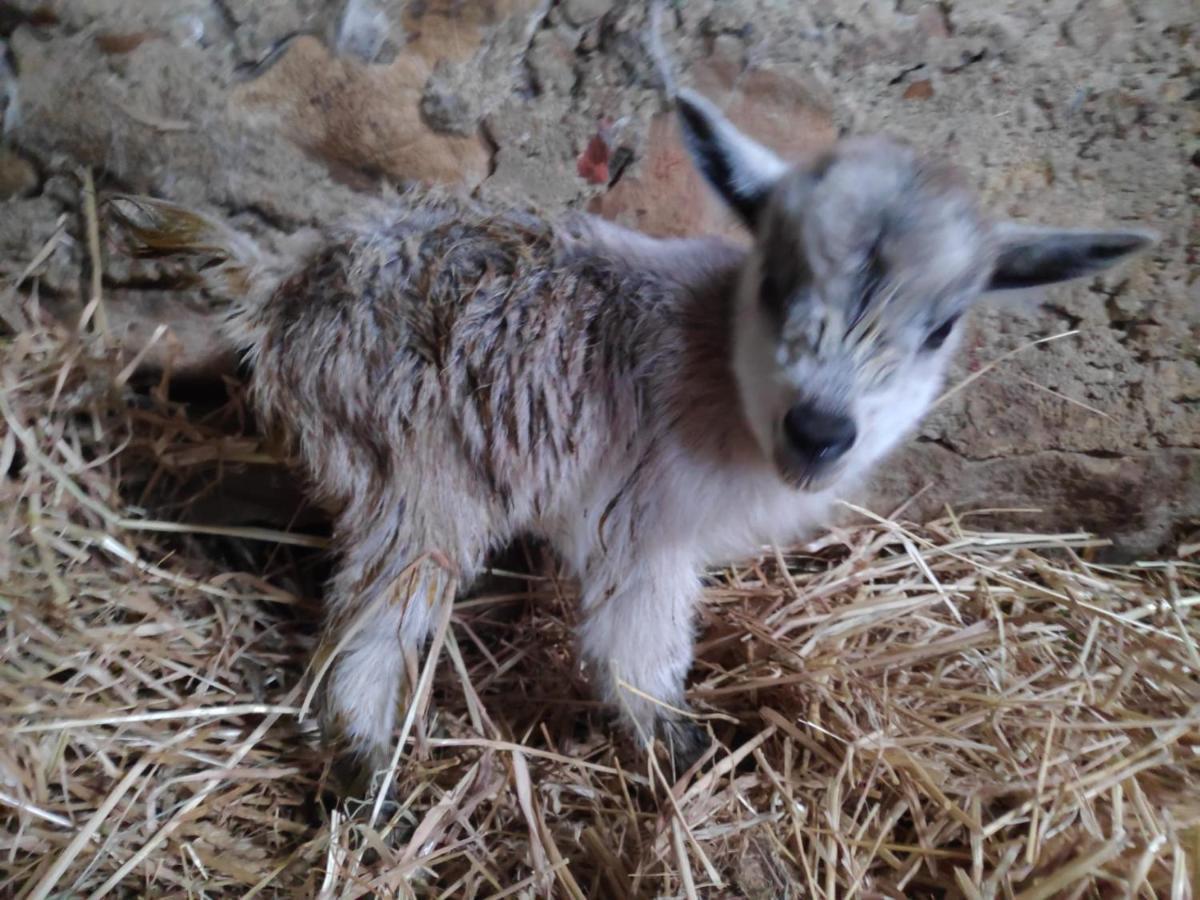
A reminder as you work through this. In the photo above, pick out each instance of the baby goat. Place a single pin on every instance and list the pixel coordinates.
(453, 376)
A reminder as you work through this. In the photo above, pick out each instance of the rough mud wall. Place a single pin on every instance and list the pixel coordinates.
(281, 113)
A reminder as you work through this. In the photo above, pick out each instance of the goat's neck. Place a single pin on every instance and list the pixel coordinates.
(709, 410)
(701, 276)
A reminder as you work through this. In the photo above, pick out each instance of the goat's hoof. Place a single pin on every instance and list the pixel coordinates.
(686, 742)
(357, 774)
(351, 775)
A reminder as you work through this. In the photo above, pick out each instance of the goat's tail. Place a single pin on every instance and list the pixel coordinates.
(237, 269)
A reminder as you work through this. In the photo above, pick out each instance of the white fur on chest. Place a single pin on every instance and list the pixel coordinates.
(730, 514)
(704, 514)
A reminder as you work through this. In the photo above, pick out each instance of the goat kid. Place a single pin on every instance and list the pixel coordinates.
(452, 376)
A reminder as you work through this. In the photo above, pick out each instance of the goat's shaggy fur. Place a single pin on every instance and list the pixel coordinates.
(453, 376)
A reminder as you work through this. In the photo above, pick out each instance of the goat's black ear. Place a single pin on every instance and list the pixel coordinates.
(1030, 256)
(741, 170)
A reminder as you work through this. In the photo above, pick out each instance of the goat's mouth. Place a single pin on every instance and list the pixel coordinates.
(806, 476)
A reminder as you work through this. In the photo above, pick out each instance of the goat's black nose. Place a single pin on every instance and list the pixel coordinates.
(816, 436)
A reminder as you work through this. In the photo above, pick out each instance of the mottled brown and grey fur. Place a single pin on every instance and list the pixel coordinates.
(453, 376)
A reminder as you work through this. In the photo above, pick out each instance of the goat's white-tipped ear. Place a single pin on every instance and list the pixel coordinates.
(1031, 256)
(741, 170)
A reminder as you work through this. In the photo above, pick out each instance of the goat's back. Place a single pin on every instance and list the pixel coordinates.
(440, 327)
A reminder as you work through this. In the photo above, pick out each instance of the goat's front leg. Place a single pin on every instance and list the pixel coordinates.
(638, 635)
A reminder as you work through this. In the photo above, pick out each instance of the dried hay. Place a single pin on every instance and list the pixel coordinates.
(900, 711)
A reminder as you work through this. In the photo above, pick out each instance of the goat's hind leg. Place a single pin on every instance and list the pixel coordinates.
(383, 605)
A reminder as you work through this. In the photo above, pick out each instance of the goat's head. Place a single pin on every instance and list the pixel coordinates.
(863, 265)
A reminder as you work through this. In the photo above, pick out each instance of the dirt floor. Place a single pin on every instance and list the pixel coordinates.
(282, 115)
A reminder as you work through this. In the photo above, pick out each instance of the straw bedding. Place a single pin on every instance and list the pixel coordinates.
(899, 711)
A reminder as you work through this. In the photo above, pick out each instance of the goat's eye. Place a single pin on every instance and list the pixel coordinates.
(938, 336)
(771, 291)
